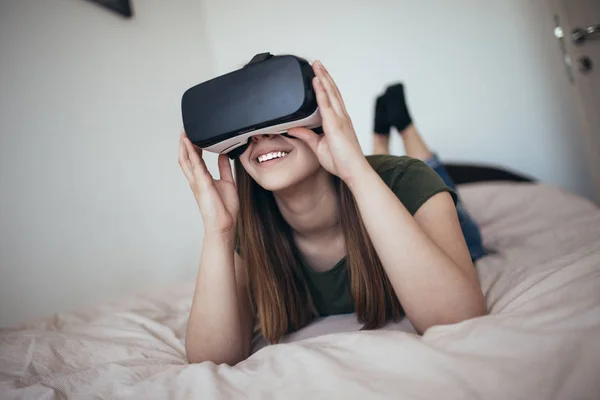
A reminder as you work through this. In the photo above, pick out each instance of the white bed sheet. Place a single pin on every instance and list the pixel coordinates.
(540, 341)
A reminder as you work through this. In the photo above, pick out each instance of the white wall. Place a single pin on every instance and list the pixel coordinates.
(92, 202)
(485, 81)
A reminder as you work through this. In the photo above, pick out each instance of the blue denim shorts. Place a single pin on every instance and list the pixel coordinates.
(469, 227)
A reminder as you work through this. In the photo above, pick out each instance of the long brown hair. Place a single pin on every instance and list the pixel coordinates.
(278, 290)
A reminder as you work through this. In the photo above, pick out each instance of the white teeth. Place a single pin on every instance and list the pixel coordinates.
(271, 155)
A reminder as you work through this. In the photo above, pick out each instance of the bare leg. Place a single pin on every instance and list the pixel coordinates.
(414, 145)
(381, 144)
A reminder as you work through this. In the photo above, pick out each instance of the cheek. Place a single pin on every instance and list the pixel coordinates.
(303, 165)
(245, 160)
(247, 165)
(308, 163)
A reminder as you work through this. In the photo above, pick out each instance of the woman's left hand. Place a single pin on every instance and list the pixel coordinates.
(338, 149)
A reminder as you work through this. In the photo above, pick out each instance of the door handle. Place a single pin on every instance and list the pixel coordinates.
(585, 64)
(581, 35)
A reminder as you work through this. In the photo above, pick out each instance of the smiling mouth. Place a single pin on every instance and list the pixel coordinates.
(274, 155)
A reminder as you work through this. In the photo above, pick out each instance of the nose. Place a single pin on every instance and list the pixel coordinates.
(264, 136)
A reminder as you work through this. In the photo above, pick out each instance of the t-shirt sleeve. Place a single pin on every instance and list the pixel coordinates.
(417, 184)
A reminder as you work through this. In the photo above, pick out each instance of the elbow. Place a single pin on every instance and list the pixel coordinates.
(473, 311)
(231, 358)
(470, 305)
(196, 357)
(477, 308)
(468, 310)
(454, 315)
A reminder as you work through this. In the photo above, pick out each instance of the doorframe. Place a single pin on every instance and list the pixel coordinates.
(589, 120)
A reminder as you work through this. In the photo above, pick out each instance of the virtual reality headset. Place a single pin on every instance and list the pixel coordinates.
(271, 94)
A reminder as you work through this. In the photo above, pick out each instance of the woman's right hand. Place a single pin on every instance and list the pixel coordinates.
(217, 198)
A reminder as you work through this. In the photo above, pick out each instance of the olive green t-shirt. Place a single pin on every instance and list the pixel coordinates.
(413, 182)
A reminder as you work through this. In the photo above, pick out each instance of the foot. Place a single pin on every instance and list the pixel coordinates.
(381, 125)
(397, 110)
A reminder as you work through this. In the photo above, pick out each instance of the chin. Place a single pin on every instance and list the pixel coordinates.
(274, 184)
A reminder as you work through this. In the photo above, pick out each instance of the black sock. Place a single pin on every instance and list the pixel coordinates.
(382, 122)
(397, 110)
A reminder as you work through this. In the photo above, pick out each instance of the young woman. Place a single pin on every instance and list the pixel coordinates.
(311, 227)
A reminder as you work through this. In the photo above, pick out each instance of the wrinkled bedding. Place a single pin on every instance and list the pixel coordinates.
(540, 341)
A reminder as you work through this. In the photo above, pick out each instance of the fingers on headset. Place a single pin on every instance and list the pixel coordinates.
(182, 153)
(225, 171)
(328, 83)
(183, 158)
(322, 98)
(198, 166)
(192, 153)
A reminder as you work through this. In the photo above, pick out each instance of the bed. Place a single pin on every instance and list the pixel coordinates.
(540, 341)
